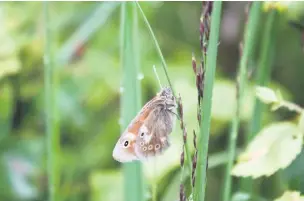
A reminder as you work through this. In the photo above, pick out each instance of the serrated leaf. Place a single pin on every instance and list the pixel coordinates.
(291, 196)
(266, 95)
(275, 147)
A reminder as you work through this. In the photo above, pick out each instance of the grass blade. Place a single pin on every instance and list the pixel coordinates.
(130, 100)
(51, 114)
(264, 70)
(249, 36)
(156, 46)
(199, 191)
(263, 75)
(82, 35)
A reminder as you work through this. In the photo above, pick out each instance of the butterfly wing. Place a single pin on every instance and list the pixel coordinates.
(124, 150)
(147, 134)
(153, 135)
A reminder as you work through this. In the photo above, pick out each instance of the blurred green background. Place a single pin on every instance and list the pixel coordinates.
(87, 38)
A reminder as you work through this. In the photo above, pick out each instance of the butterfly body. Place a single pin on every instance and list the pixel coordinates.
(148, 133)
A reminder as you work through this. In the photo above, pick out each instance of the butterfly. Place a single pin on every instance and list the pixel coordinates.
(148, 133)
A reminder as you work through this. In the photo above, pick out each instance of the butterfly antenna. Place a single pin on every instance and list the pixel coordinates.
(155, 72)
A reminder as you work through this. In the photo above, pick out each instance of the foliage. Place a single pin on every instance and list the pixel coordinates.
(290, 195)
(88, 97)
(275, 147)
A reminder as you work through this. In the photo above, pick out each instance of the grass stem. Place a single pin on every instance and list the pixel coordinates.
(249, 36)
(51, 113)
(130, 100)
(203, 139)
(263, 75)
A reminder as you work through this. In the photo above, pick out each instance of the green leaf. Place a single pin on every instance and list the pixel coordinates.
(275, 147)
(266, 95)
(290, 196)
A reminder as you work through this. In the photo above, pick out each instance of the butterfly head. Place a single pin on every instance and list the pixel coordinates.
(167, 95)
(166, 91)
(124, 148)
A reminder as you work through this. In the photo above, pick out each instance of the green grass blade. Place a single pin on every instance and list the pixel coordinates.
(130, 100)
(262, 78)
(51, 118)
(263, 70)
(249, 36)
(156, 46)
(203, 140)
(85, 31)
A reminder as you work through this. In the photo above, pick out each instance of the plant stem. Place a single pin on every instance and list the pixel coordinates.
(201, 171)
(263, 71)
(130, 100)
(51, 113)
(263, 75)
(249, 36)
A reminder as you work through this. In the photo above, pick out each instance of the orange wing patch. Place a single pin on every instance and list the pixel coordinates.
(139, 121)
(141, 117)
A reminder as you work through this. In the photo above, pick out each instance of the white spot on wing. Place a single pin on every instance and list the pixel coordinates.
(122, 154)
(147, 137)
(130, 136)
(163, 139)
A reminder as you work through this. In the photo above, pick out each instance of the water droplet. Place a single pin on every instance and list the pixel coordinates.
(140, 76)
(121, 90)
